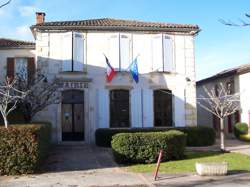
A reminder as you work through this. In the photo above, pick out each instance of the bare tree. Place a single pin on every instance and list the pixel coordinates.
(241, 22)
(9, 97)
(222, 103)
(42, 93)
(2, 5)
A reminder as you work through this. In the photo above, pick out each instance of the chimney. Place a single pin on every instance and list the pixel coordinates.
(40, 17)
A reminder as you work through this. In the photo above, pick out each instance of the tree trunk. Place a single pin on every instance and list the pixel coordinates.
(5, 121)
(222, 136)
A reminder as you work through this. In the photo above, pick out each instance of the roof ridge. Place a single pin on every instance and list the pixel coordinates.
(122, 20)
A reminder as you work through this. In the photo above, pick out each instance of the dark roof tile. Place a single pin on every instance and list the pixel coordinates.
(117, 24)
(6, 43)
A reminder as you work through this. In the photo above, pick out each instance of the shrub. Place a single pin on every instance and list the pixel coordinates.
(23, 147)
(196, 136)
(245, 137)
(240, 129)
(144, 147)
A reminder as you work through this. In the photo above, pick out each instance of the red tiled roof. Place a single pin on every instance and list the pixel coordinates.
(117, 24)
(15, 44)
(245, 68)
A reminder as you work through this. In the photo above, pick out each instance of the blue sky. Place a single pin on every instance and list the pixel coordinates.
(218, 46)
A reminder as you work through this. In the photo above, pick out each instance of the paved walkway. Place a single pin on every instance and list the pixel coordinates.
(232, 145)
(85, 166)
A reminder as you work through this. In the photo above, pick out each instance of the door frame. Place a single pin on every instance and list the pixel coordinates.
(87, 133)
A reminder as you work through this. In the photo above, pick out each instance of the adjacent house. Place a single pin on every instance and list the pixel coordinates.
(73, 52)
(236, 81)
(14, 55)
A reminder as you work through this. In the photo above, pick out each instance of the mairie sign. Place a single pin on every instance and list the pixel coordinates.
(73, 85)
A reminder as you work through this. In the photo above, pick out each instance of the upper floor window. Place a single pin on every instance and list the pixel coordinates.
(120, 51)
(73, 51)
(162, 53)
(230, 87)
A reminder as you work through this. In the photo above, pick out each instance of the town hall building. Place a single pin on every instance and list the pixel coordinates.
(74, 53)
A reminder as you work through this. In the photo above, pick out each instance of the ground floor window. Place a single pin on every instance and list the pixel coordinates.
(162, 108)
(119, 108)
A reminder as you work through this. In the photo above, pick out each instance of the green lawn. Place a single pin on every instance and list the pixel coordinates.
(236, 161)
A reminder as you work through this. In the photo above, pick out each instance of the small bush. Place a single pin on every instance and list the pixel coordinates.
(145, 147)
(196, 136)
(245, 137)
(240, 129)
(23, 148)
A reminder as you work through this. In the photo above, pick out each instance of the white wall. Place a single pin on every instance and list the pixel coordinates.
(244, 97)
(50, 56)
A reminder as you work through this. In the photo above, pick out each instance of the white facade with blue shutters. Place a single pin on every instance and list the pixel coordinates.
(164, 96)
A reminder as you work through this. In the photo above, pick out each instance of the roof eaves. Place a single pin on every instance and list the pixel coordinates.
(117, 28)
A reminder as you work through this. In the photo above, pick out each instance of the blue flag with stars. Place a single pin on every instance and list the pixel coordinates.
(133, 68)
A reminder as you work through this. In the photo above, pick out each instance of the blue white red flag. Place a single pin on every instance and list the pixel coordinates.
(110, 71)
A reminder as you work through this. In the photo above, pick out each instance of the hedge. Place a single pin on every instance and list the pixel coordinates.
(145, 147)
(196, 136)
(23, 147)
(240, 129)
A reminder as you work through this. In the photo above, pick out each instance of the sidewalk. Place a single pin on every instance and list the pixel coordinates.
(90, 166)
(232, 145)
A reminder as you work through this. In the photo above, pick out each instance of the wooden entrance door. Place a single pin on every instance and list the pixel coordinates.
(119, 108)
(162, 108)
(73, 116)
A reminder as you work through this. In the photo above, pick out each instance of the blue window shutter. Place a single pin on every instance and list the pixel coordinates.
(125, 51)
(103, 108)
(113, 51)
(168, 60)
(78, 51)
(67, 51)
(157, 56)
(136, 108)
(147, 108)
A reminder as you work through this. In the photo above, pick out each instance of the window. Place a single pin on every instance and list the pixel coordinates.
(230, 87)
(73, 51)
(162, 53)
(23, 67)
(162, 108)
(119, 108)
(120, 51)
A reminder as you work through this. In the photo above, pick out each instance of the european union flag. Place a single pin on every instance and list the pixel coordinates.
(133, 68)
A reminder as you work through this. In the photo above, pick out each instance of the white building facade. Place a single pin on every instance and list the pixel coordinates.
(236, 80)
(73, 52)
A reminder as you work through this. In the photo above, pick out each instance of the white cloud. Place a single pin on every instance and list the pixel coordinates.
(24, 32)
(27, 10)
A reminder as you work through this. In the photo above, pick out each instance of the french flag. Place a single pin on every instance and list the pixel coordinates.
(110, 71)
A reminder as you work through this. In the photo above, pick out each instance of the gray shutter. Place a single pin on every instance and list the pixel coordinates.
(148, 108)
(67, 51)
(103, 108)
(125, 51)
(179, 107)
(113, 51)
(168, 54)
(157, 52)
(78, 51)
(136, 108)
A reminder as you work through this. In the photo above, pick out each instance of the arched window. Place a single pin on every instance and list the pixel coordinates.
(119, 108)
(162, 108)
